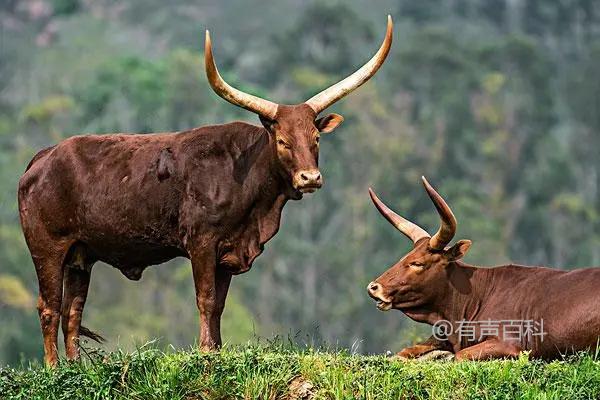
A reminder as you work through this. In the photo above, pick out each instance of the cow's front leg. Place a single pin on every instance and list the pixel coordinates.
(204, 272)
(425, 347)
(488, 350)
(222, 280)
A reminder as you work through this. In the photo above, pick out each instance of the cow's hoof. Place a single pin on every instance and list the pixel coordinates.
(208, 349)
(437, 355)
(434, 355)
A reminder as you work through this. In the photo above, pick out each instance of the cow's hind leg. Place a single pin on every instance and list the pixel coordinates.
(420, 349)
(76, 283)
(49, 268)
(488, 350)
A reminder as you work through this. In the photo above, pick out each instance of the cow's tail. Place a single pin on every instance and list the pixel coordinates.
(83, 331)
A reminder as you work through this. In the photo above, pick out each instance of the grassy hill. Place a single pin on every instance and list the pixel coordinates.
(283, 372)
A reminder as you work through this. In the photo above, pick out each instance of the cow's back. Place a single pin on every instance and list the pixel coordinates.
(106, 187)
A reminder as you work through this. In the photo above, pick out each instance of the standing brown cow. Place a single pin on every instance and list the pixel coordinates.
(485, 313)
(212, 194)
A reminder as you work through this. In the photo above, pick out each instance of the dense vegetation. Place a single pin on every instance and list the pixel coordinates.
(496, 102)
(283, 372)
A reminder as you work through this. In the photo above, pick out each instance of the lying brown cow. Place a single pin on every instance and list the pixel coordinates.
(213, 194)
(485, 313)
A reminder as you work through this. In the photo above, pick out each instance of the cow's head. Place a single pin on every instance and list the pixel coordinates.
(420, 276)
(295, 129)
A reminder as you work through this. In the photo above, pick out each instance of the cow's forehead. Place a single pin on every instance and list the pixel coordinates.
(296, 121)
(418, 251)
(295, 113)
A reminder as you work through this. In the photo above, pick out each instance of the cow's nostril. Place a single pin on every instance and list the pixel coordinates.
(303, 176)
(318, 177)
(373, 287)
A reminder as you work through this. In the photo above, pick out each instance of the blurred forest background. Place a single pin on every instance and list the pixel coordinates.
(497, 102)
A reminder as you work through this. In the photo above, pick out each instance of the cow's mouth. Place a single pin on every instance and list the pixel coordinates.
(309, 188)
(384, 305)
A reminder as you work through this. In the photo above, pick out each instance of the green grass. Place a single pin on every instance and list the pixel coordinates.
(266, 371)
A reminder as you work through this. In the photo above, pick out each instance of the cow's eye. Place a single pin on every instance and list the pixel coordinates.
(417, 264)
(283, 143)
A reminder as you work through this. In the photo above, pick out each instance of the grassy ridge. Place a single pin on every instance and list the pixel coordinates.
(279, 372)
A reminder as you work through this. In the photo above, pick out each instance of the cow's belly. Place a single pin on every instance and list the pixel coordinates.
(131, 257)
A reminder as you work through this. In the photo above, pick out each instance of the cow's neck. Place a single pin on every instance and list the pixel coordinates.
(468, 288)
(264, 193)
(274, 193)
(463, 296)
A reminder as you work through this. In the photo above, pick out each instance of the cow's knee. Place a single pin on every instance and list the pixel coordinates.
(41, 305)
(206, 304)
(48, 317)
(77, 307)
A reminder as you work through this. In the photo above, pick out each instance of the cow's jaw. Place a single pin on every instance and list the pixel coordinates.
(384, 305)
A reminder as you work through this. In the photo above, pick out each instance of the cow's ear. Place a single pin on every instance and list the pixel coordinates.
(459, 250)
(270, 124)
(328, 123)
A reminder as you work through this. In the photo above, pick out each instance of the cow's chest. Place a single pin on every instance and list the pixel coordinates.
(241, 244)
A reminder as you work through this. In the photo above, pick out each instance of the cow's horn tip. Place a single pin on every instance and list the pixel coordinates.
(372, 194)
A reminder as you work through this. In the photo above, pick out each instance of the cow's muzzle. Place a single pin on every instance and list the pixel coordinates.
(375, 290)
(307, 181)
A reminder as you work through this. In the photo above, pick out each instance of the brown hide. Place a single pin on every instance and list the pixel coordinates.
(431, 286)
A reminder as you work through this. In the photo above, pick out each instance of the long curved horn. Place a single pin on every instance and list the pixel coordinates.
(412, 231)
(334, 93)
(252, 103)
(448, 225)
